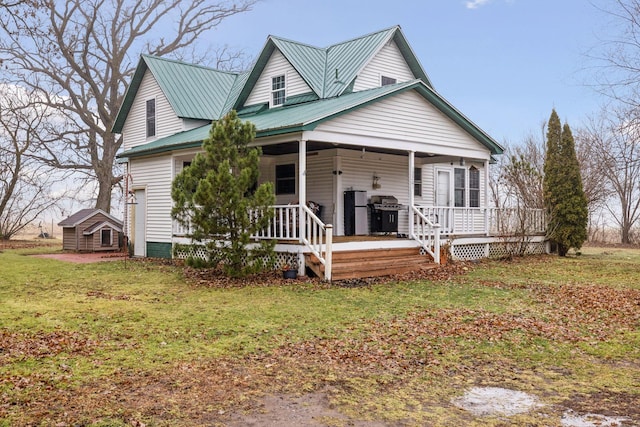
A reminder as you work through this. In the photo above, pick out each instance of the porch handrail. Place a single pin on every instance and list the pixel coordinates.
(315, 232)
(426, 233)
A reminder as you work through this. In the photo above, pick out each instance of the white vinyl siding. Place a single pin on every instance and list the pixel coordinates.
(357, 174)
(419, 122)
(134, 131)
(155, 176)
(320, 185)
(388, 62)
(277, 66)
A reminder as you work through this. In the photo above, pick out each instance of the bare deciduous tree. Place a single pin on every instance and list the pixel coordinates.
(614, 139)
(79, 56)
(616, 59)
(523, 172)
(25, 185)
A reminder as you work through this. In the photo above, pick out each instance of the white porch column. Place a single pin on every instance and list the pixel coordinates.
(302, 200)
(486, 198)
(337, 217)
(302, 185)
(412, 164)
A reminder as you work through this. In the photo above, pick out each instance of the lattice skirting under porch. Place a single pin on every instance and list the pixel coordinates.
(199, 251)
(474, 251)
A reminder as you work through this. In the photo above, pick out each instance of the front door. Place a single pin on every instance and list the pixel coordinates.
(139, 225)
(443, 188)
(444, 199)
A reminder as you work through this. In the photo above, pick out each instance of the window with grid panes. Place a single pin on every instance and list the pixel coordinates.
(417, 182)
(459, 187)
(474, 187)
(151, 117)
(278, 92)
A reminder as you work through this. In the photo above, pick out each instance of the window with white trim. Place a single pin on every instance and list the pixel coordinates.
(106, 237)
(459, 188)
(474, 187)
(417, 182)
(385, 81)
(278, 90)
(151, 118)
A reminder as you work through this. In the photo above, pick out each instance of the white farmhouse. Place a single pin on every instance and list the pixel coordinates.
(373, 169)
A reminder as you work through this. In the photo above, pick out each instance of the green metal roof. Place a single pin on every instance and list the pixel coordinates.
(193, 91)
(308, 61)
(331, 71)
(307, 116)
(203, 93)
(345, 60)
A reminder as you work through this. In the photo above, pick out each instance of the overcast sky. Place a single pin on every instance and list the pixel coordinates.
(503, 63)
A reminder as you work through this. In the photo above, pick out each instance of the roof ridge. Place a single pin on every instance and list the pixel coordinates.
(189, 64)
(284, 39)
(395, 27)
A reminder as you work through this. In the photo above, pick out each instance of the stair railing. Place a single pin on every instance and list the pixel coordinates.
(426, 233)
(318, 237)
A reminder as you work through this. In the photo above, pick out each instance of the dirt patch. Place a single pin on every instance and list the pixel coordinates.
(84, 258)
(307, 410)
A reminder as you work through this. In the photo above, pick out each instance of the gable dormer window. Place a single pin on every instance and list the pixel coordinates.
(278, 91)
(385, 81)
(151, 118)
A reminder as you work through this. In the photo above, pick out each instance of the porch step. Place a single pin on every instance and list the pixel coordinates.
(372, 262)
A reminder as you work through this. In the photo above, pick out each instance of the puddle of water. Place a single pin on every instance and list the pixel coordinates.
(572, 419)
(482, 401)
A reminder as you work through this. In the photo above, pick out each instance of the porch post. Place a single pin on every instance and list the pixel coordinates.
(302, 186)
(302, 199)
(412, 164)
(486, 198)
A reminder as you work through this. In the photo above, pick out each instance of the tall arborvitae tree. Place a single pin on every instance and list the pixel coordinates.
(218, 197)
(564, 197)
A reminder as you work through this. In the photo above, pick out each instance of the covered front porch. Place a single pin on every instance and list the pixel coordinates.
(467, 233)
(442, 196)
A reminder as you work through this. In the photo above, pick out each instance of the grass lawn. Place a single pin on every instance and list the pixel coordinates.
(140, 344)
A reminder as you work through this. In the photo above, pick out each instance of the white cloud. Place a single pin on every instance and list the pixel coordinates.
(474, 4)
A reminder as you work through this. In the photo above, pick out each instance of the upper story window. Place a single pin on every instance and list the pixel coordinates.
(417, 182)
(278, 90)
(151, 117)
(286, 179)
(384, 81)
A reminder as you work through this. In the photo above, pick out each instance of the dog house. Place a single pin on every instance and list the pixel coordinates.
(91, 230)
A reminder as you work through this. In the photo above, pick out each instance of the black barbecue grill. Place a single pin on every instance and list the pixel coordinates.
(384, 214)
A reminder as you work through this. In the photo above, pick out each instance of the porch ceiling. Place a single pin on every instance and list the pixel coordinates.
(292, 147)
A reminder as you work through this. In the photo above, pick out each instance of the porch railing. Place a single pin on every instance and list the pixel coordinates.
(485, 221)
(426, 232)
(283, 226)
(317, 236)
(510, 221)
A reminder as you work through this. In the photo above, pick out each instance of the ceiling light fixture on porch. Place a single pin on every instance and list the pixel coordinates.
(461, 161)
